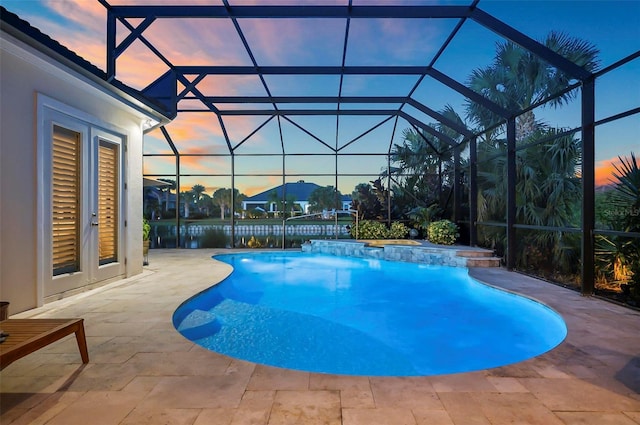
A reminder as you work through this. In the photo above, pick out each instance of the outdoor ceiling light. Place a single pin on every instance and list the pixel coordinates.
(149, 123)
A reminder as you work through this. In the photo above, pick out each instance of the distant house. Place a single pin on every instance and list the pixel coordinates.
(300, 191)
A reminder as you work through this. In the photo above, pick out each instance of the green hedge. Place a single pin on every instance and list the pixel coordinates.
(443, 232)
(368, 229)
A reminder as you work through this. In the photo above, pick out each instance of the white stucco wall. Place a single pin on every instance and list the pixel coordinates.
(24, 74)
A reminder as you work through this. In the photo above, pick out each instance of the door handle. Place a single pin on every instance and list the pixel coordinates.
(94, 223)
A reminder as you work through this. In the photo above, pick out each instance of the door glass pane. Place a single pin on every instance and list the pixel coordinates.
(107, 202)
(66, 200)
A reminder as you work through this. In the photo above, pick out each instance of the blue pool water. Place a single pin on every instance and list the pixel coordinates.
(358, 316)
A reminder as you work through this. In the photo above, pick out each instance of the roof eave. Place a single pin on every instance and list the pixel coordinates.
(31, 36)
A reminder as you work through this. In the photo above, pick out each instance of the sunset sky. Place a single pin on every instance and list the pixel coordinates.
(612, 26)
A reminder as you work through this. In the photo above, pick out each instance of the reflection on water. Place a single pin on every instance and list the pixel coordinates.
(196, 235)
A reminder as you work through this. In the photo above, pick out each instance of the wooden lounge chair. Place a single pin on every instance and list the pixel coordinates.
(28, 335)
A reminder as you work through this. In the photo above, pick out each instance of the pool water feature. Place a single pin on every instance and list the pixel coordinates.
(356, 316)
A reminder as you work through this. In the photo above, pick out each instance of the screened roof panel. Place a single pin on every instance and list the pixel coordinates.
(413, 2)
(164, 2)
(362, 165)
(136, 57)
(298, 142)
(436, 95)
(197, 133)
(203, 165)
(195, 41)
(154, 143)
(308, 106)
(613, 89)
(365, 134)
(311, 164)
(258, 165)
(479, 47)
(262, 137)
(378, 85)
(396, 41)
(240, 127)
(231, 85)
(298, 47)
(160, 165)
(288, 2)
(418, 115)
(303, 85)
(373, 106)
(240, 107)
(295, 41)
(319, 128)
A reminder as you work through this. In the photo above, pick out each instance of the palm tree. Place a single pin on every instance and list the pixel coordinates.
(619, 257)
(187, 197)
(325, 198)
(518, 79)
(197, 191)
(548, 194)
(222, 198)
(627, 175)
(547, 184)
(167, 191)
(424, 162)
(365, 201)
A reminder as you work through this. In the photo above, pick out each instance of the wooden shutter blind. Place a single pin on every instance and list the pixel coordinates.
(108, 202)
(66, 200)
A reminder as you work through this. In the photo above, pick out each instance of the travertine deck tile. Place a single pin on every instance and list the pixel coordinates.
(306, 408)
(97, 407)
(142, 371)
(385, 416)
(220, 416)
(464, 409)
(432, 417)
(464, 382)
(270, 378)
(196, 392)
(141, 416)
(360, 399)
(511, 408)
(405, 393)
(595, 418)
(578, 395)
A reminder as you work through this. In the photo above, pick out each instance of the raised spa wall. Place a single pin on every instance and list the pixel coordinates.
(436, 255)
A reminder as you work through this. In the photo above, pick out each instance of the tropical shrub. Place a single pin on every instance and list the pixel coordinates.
(368, 229)
(146, 229)
(443, 232)
(423, 216)
(254, 243)
(398, 230)
(618, 258)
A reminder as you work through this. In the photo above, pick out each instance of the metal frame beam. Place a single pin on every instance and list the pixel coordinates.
(511, 194)
(588, 187)
(185, 74)
(280, 12)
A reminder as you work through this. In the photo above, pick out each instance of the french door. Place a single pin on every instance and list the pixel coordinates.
(82, 205)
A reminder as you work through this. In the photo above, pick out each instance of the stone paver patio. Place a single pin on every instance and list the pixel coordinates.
(142, 371)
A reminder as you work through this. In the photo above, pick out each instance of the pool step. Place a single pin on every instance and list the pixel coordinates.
(484, 262)
(424, 253)
(479, 258)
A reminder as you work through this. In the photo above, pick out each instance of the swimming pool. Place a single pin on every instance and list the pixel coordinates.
(355, 316)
